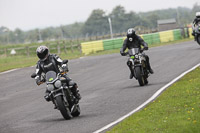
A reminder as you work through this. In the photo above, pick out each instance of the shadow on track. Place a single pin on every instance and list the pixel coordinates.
(137, 86)
(56, 119)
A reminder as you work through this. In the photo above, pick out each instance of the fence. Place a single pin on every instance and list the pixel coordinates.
(94, 46)
(31, 50)
(153, 38)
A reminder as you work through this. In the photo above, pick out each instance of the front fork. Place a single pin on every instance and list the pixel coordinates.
(132, 67)
(59, 92)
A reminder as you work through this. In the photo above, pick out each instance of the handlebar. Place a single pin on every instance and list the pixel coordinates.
(141, 50)
(127, 53)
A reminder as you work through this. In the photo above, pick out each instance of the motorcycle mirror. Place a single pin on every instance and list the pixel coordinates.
(33, 75)
(65, 61)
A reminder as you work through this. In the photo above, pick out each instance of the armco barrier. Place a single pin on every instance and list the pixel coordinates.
(108, 44)
(148, 38)
(177, 34)
(154, 38)
(190, 33)
(118, 43)
(166, 36)
(186, 32)
(90, 47)
(141, 36)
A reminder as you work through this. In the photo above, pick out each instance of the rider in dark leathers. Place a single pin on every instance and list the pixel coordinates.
(52, 62)
(134, 41)
(195, 23)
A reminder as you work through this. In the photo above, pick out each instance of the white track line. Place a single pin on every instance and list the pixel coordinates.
(148, 101)
(9, 71)
(13, 70)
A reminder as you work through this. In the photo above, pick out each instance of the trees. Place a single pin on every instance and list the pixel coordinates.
(196, 8)
(118, 17)
(97, 24)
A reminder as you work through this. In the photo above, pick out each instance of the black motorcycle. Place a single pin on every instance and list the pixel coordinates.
(60, 94)
(197, 34)
(138, 64)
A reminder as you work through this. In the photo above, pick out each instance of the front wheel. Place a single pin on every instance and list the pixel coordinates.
(64, 110)
(139, 76)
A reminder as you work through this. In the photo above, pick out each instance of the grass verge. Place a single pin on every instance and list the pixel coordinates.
(11, 62)
(176, 110)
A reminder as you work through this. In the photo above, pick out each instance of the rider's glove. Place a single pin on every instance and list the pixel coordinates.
(146, 48)
(123, 54)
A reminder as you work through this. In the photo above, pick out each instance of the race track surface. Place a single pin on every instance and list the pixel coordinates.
(107, 92)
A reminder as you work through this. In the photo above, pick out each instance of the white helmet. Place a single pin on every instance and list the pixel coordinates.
(198, 14)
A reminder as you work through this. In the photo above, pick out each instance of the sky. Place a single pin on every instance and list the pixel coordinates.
(31, 14)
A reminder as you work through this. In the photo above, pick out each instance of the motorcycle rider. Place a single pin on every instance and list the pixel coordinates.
(52, 62)
(195, 23)
(134, 41)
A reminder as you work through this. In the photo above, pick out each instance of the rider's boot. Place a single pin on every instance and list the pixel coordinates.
(130, 67)
(55, 107)
(75, 92)
(149, 66)
(193, 33)
(131, 75)
(195, 38)
(151, 70)
(46, 96)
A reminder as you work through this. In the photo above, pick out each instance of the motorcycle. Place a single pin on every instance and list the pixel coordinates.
(197, 33)
(138, 65)
(60, 93)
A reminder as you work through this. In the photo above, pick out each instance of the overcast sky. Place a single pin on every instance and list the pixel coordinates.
(30, 14)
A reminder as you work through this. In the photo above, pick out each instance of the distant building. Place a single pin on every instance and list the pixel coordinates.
(167, 24)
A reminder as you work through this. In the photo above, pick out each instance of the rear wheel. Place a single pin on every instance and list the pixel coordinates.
(64, 110)
(139, 76)
(198, 39)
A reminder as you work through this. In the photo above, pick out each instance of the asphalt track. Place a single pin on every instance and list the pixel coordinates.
(104, 83)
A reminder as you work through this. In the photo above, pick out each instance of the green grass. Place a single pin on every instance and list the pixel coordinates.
(12, 62)
(176, 110)
(19, 61)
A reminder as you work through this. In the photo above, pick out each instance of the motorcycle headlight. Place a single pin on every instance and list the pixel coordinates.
(50, 87)
(136, 56)
(58, 84)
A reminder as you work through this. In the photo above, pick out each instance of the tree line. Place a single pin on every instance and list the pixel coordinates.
(97, 25)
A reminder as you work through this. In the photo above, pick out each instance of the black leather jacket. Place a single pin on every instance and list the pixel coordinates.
(50, 64)
(196, 21)
(136, 43)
